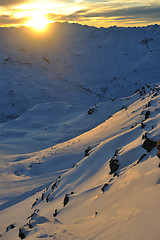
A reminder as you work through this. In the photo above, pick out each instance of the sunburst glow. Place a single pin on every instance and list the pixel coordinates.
(38, 22)
(91, 12)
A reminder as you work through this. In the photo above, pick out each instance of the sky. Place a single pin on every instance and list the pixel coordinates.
(102, 13)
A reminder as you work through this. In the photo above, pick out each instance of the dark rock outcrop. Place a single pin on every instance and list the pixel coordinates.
(55, 213)
(42, 197)
(66, 200)
(54, 185)
(104, 187)
(30, 226)
(144, 136)
(91, 110)
(87, 151)
(142, 125)
(158, 154)
(147, 114)
(10, 227)
(114, 165)
(149, 144)
(22, 233)
(158, 145)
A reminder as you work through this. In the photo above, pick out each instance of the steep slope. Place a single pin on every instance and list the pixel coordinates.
(102, 205)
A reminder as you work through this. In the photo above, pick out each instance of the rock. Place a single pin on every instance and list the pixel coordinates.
(158, 154)
(90, 111)
(42, 197)
(10, 227)
(22, 233)
(30, 226)
(134, 126)
(142, 125)
(54, 185)
(140, 159)
(45, 59)
(147, 114)
(47, 198)
(158, 145)
(144, 136)
(116, 152)
(55, 213)
(115, 174)
(87, 151)
(104, 186)
(149, 144)
(66, 200)
(114, 165)
(148, 104)
(7, 59)
(155, 94)
(34, 204)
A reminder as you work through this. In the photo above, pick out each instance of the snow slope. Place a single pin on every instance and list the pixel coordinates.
(52, 147)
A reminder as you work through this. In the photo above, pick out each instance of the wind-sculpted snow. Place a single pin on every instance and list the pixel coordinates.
(79, 158)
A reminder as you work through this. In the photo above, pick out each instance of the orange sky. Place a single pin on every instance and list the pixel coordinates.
(90, 12)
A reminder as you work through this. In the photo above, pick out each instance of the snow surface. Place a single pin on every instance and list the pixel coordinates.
(70, 101)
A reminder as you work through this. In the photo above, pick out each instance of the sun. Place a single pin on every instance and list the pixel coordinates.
(38, 22)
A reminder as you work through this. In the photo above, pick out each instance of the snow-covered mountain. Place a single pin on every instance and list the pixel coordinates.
(76, 108)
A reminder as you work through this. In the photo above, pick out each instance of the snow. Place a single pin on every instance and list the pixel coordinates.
(70, 102)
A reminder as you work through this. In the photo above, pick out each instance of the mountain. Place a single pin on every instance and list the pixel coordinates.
(79, 109)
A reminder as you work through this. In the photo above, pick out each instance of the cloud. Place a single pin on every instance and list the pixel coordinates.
(76, 15)
(88, 11)
(9, 19)
(146, 12)
(12, 2)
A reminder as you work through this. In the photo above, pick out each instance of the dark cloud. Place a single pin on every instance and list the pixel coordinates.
(134, 11)
(5, 3)
(74, 16)
(8, 19)
(151, 12)
(18, 2)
